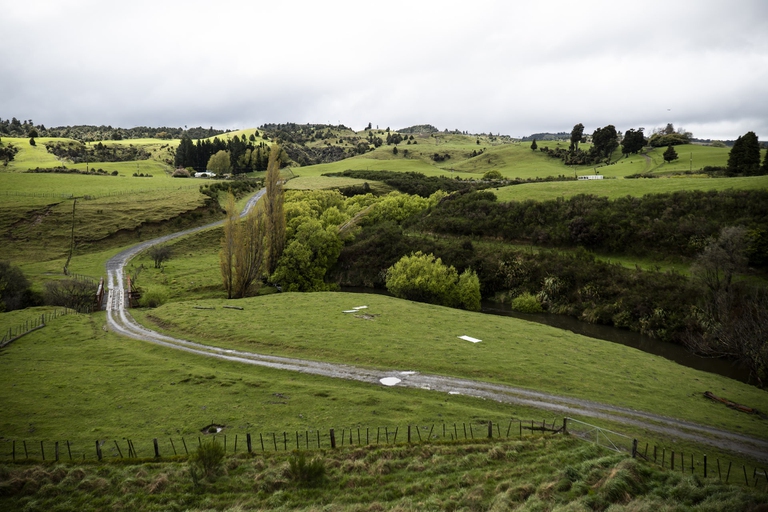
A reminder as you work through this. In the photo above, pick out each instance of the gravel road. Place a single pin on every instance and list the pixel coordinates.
(120, 321)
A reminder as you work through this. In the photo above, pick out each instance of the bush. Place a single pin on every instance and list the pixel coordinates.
(208, 458)
(424, 278)
(76, 294)
(153, 298)
(526, 303)
(308, 474)
(180, 173)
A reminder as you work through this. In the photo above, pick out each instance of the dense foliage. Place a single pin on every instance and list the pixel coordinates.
(77, 152)
(245, 154)
(744, 158)
(15, 289)
(413, 182)
(665, 224)
(89, 133)
(424, 278)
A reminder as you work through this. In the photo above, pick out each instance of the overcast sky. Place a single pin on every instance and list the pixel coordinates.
(510, 67)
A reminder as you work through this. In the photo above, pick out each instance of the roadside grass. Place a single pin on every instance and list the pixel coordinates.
(402, 335)
(73, 380)
(616, 188)
(558, 473)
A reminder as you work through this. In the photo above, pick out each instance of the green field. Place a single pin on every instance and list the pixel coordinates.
(616, 188)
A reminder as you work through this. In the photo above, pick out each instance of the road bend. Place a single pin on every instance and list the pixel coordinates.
(120, 321)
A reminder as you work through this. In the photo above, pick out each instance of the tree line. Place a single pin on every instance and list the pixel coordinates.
(91, 133)
(676, 224)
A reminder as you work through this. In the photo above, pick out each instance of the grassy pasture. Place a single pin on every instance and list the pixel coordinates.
(38, 227)
(72, 380)
(403, 335)
(615, 188)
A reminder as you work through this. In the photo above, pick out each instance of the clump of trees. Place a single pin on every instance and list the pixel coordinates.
(744, 158)
(670, 154)
(424, 278)
(731, 318)
(15, 289)
(668, 136)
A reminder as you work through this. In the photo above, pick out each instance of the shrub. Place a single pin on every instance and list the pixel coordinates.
(308, 474)
(153, 298)
(208, 458)
(492, 175)
(526, 303)
(180, 173)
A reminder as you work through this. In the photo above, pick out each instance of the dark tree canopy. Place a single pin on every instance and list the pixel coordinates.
(604, 141)
(670, 154)
(745, 156)
(534, 145)
(634, 141)
(576, 134)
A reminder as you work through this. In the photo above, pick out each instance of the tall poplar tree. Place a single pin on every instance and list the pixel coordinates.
(228, 246)
(249, 253)
(273, 210)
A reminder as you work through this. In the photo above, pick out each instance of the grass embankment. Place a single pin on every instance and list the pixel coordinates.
(402, 335)
(558, 473)
(36, 220)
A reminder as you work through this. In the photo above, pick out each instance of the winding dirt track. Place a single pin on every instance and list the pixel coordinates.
(120, 321)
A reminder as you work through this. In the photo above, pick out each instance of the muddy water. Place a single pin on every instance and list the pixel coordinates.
(647, 344)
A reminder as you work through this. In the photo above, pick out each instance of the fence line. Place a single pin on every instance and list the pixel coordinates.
(274, 441)
(310, 439)
(659, 457)
(12, 334)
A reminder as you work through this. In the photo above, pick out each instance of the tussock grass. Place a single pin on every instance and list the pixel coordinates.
(560, 473)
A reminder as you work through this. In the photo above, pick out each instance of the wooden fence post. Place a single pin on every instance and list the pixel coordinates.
(56, 451)
(705, 466)
(634, 448)
(185, 446)
(728, 475)
(172, 445)
(409, 433)
(248, 442)
(157, 448)
(118, 449)
(98, 450)
(42, 450)
(333, 439)
(490, 430)
(565, 425)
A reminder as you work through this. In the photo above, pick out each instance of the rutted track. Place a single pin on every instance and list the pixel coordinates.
(120, 321)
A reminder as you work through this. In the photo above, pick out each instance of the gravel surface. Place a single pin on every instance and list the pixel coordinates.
(120, 321)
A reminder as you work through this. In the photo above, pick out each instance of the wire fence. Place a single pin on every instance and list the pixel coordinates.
(273, 441)
(692, 464)
(14, 333)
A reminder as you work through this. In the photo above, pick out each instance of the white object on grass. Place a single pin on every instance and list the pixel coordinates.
(408, 373)
(390, 381)
(470, 338)
(361, 307)
(454, 393)
(350, 311)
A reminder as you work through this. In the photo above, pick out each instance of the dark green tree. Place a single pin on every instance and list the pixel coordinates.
(670, 154)
(633, 141)
(576, 134)
(764, 168)
(604, 142)
(744, 157)
(534, 146)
